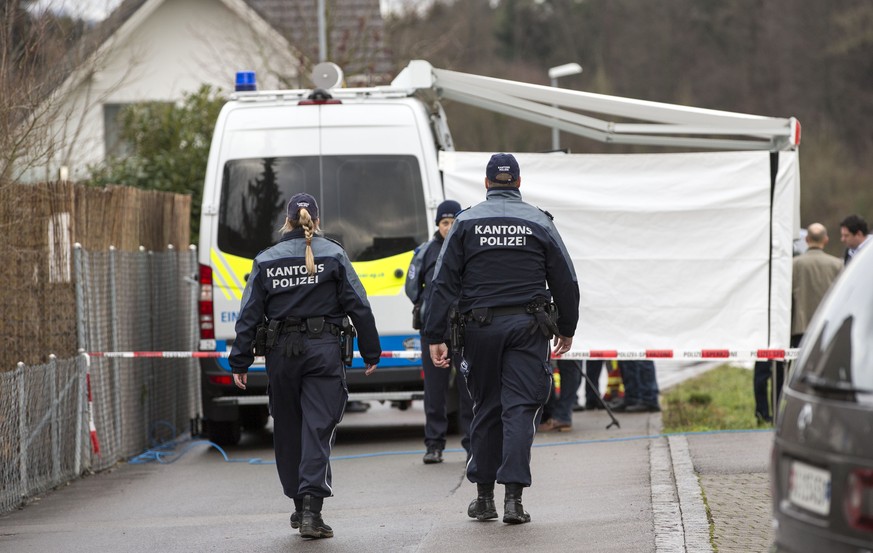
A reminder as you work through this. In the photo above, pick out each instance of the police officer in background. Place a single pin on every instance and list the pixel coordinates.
(496, 262)
(436, 379)
(294, 306)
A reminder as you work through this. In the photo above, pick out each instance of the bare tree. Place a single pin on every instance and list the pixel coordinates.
(33, 46)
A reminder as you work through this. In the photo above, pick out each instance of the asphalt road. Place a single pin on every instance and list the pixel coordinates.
(594, 490)
(591, 492)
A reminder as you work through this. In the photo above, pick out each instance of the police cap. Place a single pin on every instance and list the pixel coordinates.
(502, 169)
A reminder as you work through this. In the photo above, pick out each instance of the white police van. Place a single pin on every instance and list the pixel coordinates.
(369, 157)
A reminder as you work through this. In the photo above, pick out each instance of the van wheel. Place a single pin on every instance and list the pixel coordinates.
(224, 432)
(254, 418)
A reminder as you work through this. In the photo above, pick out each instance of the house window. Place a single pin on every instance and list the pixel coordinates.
(114, 143)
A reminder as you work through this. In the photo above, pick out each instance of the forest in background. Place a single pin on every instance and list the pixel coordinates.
(809, 59)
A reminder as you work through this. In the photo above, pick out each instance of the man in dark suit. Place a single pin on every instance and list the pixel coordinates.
(853, 233)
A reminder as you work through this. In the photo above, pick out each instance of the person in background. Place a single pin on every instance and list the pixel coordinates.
(812, 274)
(504, 263)
(854, 234)
(640, 387)
(436, 380)
(558, 412)
(294, 309)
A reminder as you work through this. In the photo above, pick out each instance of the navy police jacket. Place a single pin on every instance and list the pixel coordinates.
(279, 287)
(420, 272)
(502, 252)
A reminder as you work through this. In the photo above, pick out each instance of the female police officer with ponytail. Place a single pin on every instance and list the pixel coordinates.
(295, 304)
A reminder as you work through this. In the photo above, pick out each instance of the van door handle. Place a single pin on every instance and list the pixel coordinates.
(246, 277)
(398, 273)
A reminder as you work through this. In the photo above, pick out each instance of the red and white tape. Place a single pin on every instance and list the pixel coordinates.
(681, 355)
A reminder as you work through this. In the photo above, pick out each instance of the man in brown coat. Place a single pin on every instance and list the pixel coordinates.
(812, 275)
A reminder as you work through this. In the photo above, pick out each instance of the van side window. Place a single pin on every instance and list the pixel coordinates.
(373, 205)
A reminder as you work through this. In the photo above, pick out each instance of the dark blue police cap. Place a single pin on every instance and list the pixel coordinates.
(502, 169)
(447, 209)
(300, 200)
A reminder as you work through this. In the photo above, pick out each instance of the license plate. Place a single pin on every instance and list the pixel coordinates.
(809, 488)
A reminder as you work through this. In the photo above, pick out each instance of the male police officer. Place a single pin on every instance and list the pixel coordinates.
(437, 380)
(496, 262)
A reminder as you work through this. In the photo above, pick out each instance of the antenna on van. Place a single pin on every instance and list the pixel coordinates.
(327, 75)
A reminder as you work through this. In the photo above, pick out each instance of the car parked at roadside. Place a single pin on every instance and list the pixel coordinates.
(822, 465)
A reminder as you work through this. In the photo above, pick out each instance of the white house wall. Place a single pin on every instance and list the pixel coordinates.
(179, 46)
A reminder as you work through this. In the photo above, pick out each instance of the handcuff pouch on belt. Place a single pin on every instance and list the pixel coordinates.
(545, 317)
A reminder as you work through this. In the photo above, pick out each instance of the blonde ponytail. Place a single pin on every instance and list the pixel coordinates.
(305, 221)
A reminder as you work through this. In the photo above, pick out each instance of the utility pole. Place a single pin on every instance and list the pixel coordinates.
(322, 33)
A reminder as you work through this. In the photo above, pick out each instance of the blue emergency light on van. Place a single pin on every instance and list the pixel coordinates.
(245, 81)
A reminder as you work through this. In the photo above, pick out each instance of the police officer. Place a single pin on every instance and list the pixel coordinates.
(299, 294)
(496, 262)
(436, 379)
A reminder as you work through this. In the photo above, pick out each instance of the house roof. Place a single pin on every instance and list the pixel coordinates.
(355, 42)
(355, 38)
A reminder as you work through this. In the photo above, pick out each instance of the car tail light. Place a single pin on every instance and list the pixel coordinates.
(207, 318)
(859, 499)
(221, 379)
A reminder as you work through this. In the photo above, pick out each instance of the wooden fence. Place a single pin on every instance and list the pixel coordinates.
(38, 226)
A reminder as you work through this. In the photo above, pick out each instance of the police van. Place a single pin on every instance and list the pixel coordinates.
(379, 161)
(369, 157)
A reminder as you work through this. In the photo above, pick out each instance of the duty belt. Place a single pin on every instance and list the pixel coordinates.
(487, 313)
(544, 315)
(306, 328)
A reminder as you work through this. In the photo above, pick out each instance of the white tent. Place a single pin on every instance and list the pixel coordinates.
(683, 251)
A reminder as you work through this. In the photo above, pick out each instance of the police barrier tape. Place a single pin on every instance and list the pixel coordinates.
(622, 355)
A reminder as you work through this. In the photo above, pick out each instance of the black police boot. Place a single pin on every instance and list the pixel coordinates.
(311, 523)
(433, 455)
(513, 511)
(482, 508)
(298, 511)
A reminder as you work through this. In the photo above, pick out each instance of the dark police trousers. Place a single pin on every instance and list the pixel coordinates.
(509, 377)
(436, 392)
(307, 395)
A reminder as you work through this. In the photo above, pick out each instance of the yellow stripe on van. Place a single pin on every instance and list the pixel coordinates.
(380, 276)
(231, 269)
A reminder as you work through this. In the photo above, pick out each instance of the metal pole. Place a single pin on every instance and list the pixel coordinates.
(605, 406)
(78, 262)
(177, 375)
(22, 428)
(775, 387)
(194, 380)
(113, 343)
(148, 310)
(80, 409)
(556, 134)
(554, 73)
(80, 338)
(322, 33)
(55, 423)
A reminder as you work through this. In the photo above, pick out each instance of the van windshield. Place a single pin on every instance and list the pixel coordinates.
(372, 204)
